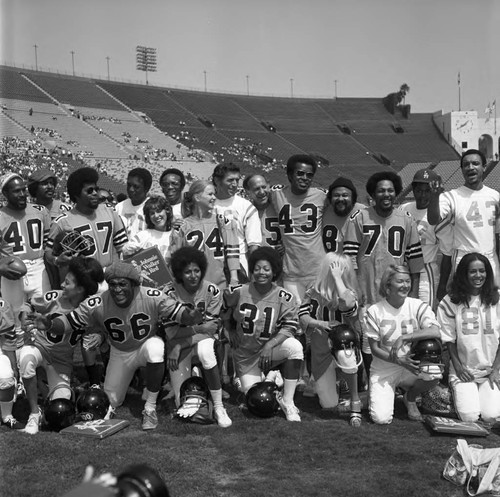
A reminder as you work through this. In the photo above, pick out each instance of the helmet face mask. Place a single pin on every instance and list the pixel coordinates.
(77, 244)
(429, 352)
(195, 403)
(261, 399)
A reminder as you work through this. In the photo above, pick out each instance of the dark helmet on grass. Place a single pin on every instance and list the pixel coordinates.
(59, 414)
(140, 480)
(261, 399)
(92, 404)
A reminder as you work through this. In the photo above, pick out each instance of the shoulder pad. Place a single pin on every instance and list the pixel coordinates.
(38, 207)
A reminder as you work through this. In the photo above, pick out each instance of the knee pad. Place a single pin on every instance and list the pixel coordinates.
(206, 353)
(155, 350)
(27, 364)
(61, 390)
(7, 380)
(294, 349)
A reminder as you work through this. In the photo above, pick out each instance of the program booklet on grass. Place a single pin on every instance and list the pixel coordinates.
(99, 428)
(456, 427)
(152, 266)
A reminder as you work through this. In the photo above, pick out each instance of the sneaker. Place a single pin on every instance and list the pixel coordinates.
(290, 410)
(223, 420)
(413, 412)
(12, 423)
(149, 420)
(111, 413)
(33, 424)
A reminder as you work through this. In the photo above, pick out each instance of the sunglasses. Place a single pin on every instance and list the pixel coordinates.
(91, 189)
(301, 174)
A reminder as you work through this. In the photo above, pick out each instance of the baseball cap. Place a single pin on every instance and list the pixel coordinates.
(425, 176)
(41, 175)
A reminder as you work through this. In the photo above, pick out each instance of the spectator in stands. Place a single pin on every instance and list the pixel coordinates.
(257, 189)
(390, 342)
(379, 236)
(471, 210)
(158, 215)
(429, 276)
(42, 187)
(342, 202)
(226, 178)
(23, 228)
(172, 182)
(131, 210)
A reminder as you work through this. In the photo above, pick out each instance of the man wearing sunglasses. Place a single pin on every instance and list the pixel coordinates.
(300, 209)
(472, 213)
(92, 219)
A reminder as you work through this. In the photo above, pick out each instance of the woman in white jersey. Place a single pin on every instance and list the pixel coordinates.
(393, 324)
(470, 323)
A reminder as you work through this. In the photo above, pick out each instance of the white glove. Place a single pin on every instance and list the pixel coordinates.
(189, 408)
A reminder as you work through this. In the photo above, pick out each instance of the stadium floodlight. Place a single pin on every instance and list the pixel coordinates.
(145, 59)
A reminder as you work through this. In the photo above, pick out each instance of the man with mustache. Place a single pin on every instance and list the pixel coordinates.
(342, 197)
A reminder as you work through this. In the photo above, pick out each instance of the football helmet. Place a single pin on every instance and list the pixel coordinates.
(77, 244)
(59, 414)
(140, 480)
(344, 345)
(429, 352)
(261, 399)
(196, 405)
(92, 404)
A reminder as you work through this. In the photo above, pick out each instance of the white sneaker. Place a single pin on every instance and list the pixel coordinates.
(33, 424)
(149, 420)
(223, 420)
(290, 410)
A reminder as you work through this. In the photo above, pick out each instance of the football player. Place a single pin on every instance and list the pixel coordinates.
(226, 178)
(91, 219)
(24, 229)
(172, 182)
(379, 236)
(129, 315)
(257, 188)
(8, 347)
(342, 202)
(131, 210)
(393, 324)
(42, 187)
(472, 210)
(189, 267)
(54, 353)
(266, 324)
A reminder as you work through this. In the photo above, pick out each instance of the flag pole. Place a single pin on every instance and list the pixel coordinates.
(459, 101)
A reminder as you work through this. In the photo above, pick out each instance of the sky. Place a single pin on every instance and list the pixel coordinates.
(271, 47)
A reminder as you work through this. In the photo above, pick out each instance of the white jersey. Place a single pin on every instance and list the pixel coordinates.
(473, 214)
(385, 324)
(426, 232)
(247, 222)
(476, 330)
(132, 216)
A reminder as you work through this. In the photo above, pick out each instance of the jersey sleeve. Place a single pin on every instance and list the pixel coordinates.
(353, 235)
(288, 319)
(229, 233)
(372, 324)
(84, 316)
(413, 254)
(425, 316)
(253, 231)
(120, 236)
(446, 313)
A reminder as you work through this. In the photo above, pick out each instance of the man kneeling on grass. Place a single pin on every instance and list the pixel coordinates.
(128, 314)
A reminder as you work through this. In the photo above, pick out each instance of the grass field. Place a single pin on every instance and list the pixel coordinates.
(322, 456)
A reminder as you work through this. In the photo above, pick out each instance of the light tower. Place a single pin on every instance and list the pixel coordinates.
(146, 59)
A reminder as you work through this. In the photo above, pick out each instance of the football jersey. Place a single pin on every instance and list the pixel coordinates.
(57, 207)
(259, 318)
(300, 220)
(426, 232)
(25, 232)
(270, 228)
(126, 328)
(375, 242)
(385, 324)
(476, 330)
(56, 349)
(104, 226)
(333, 230)
(243, 212)
(132, 216)
(216, 237)
(318, 308)
(473, 214)
(207, 299)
